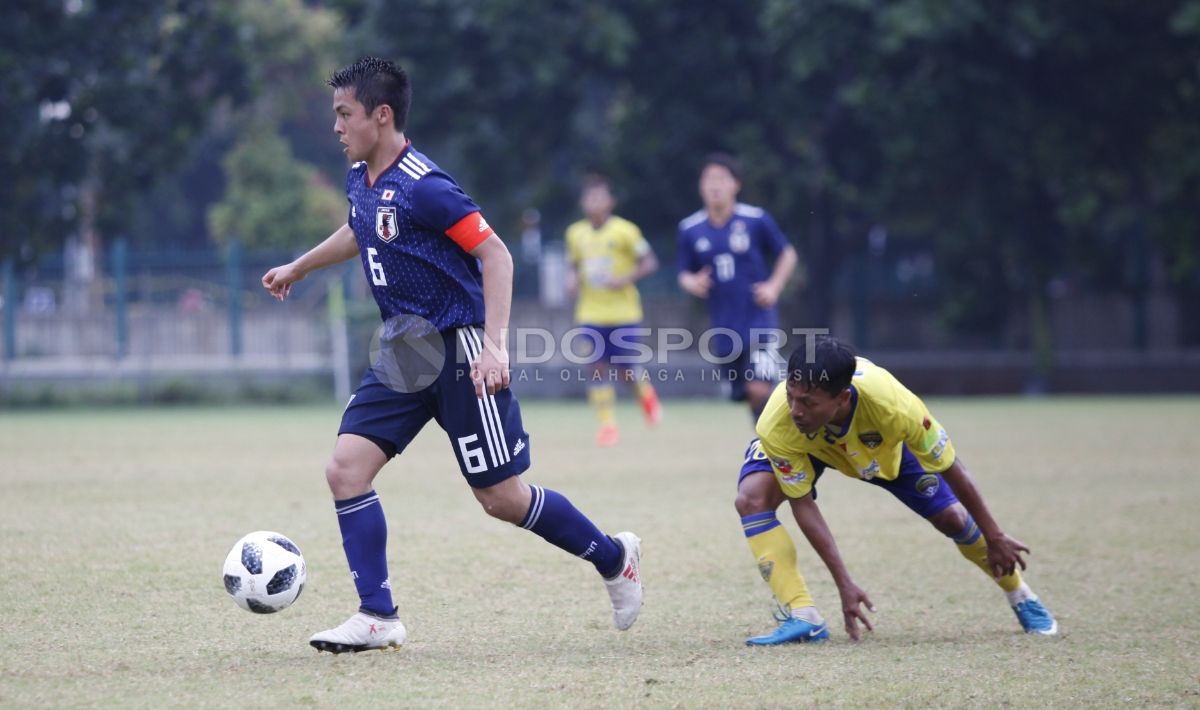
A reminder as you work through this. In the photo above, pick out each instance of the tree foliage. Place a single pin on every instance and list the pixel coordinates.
(1033, 146)
(272, 200)
(100, 100)
(1032, 143)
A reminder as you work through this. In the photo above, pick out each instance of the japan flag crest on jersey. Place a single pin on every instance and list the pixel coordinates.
(385, 223)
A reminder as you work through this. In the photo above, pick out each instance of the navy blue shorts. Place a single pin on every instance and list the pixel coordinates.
(486, 433)
(925, 493)
(760, 364)
(614, 341)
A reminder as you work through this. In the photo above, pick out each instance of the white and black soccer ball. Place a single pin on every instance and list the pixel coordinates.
(264, 572)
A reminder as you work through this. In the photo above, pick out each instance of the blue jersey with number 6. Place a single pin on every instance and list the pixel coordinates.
(414, 227)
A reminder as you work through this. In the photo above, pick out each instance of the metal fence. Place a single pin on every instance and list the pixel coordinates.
(201, 318)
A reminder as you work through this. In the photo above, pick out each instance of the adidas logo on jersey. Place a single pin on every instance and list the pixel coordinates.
(520, 442)
(415, 167)
(483, 225)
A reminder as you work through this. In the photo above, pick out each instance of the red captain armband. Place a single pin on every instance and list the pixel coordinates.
(470, 231)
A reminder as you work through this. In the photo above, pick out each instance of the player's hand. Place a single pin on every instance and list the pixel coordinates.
(490, 371)
(853, 599)
(280, 279)
(699, 283)
(765, 294)
(1004, 554)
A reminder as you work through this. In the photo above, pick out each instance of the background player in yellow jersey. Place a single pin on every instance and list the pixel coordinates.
(607, 256)
(843, 412)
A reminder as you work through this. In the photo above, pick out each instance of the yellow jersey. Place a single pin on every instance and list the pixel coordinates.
(887, 423)
(612, 251)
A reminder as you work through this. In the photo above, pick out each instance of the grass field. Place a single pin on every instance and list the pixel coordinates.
(116, 522)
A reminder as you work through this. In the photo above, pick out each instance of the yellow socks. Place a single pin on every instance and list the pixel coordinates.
(603, 399)
(972, 546)
(776, 556)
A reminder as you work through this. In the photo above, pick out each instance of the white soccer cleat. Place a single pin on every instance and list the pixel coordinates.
(361, 632)
(625, 590)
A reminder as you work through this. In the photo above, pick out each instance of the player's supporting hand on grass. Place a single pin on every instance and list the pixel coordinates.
(1004, 554)
(854, 598)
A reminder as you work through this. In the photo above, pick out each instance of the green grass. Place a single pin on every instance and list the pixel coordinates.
(116, 523)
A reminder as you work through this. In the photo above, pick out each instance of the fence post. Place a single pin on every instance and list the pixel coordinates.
(233, 274)
(10, 309)
(119, 261)
(338, 336)
(1141, 288)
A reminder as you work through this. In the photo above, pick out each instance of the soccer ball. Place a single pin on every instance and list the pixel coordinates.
(264, 572)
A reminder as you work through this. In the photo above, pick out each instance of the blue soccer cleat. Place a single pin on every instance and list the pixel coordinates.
(792, 631)
(1035, 618)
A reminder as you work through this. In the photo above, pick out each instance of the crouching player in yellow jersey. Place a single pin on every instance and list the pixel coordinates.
(838, 411)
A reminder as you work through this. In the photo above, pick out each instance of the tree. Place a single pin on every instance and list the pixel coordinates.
(272, 200)
(100, 100)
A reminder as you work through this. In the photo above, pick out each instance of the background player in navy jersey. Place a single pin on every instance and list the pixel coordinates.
(438, 273)
(735, 256)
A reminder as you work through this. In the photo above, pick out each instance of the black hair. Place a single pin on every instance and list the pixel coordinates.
(376, 82)
(595, 179)
(830, 367)
(725, 160)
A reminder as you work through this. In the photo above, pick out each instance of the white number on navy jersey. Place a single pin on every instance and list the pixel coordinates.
(724, 264)
(377, 276)
(472, 458)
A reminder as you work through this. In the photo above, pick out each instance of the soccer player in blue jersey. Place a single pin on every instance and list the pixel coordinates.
(734, 256)
(842, 412)
(439, 275)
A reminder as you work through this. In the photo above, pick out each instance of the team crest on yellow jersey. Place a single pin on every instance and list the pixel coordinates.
(871, 439)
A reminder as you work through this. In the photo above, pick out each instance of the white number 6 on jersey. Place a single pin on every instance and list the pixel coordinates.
(377, 276)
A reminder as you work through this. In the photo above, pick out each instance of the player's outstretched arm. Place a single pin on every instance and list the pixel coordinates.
(812, 524)
(1003, 552)
(336, 248)
(490, 371)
